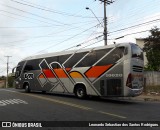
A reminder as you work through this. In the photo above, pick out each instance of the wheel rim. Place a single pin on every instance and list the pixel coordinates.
(80, 92)
(27, 87)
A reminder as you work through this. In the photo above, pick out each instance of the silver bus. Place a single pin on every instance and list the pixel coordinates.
(110, 71)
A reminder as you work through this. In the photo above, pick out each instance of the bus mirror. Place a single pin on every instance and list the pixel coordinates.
(13, 72)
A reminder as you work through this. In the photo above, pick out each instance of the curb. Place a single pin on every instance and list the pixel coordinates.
(148, 98)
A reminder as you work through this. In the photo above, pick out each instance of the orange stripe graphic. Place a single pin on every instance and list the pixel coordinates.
(60, 73)
(41, 76)
(48, 73)
(96, 71)
(67, 69)
(75, 75)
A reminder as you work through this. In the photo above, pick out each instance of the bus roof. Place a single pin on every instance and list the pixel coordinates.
(73, 51)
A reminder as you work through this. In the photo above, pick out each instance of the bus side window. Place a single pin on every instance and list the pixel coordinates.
(50, 60)
(93, 57)
(89, 60)
(17, 74)
(74, 59)
(112, 57)
(28, 68)
(63, 58)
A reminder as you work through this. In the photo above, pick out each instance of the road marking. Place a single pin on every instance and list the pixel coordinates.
(61, 102)
(70, 104)
(111, 114)
(54, 100)
(12, 101)
(8, 90)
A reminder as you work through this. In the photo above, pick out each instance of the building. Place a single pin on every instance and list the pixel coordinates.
(140, 42)
(2, 83)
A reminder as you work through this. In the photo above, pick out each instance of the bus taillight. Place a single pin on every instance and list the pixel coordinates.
(129, 81)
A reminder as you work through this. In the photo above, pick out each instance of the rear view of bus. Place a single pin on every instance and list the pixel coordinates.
(133, 70)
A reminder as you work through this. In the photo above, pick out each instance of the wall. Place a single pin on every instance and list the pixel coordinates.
(151, 78)
(2, 83)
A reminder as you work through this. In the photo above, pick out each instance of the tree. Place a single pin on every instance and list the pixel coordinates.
(152, 49)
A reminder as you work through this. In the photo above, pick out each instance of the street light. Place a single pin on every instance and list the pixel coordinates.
(87, 8)
(105, 21)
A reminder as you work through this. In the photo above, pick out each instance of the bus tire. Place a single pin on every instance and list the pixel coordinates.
(43, 92)
(27, 88)
(80, 91)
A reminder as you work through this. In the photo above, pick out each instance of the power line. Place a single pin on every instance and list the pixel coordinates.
(49, 10)
(27, 17)
(123, 20)
(35, 15)
(83, 43)
(136, 32)
(3, 60)
(129, 34)
(66, 39)
(50, 24)
(92, 44)
(26, 27)
(2, 71)
(135, 26)
(40, 36)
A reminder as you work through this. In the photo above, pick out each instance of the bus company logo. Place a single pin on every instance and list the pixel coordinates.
(28, 76)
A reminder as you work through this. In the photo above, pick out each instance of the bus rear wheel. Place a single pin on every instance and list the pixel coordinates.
(80, 92)
(27, 88)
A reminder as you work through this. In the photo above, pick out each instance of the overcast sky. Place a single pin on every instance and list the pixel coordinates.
(30, 27)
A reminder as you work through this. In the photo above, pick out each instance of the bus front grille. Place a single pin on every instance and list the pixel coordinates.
(137, 68)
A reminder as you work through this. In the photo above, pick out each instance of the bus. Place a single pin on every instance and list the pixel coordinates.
(108, 71)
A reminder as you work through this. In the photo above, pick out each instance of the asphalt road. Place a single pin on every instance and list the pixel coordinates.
(16, 105)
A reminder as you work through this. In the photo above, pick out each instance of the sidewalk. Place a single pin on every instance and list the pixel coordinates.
(148, 97)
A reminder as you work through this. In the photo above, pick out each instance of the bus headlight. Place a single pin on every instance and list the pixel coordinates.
(17, 82)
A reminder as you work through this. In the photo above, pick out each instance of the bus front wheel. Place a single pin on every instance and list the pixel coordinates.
(80, 92)
(27, 89)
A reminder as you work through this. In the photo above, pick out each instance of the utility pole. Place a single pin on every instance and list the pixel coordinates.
(106, 2)
(7, 69)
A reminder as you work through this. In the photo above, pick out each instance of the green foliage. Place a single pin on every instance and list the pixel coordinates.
(10, 81)
(2, 77)
(152, 49)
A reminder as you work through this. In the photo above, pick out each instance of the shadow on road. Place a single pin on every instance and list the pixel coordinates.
(114, 100)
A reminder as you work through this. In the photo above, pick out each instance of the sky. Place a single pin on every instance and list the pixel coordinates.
(31, 27)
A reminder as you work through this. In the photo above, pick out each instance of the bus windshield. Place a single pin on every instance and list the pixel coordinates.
(136, 52)
(19, 69)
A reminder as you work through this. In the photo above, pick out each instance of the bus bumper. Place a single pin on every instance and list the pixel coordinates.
(136, 92)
